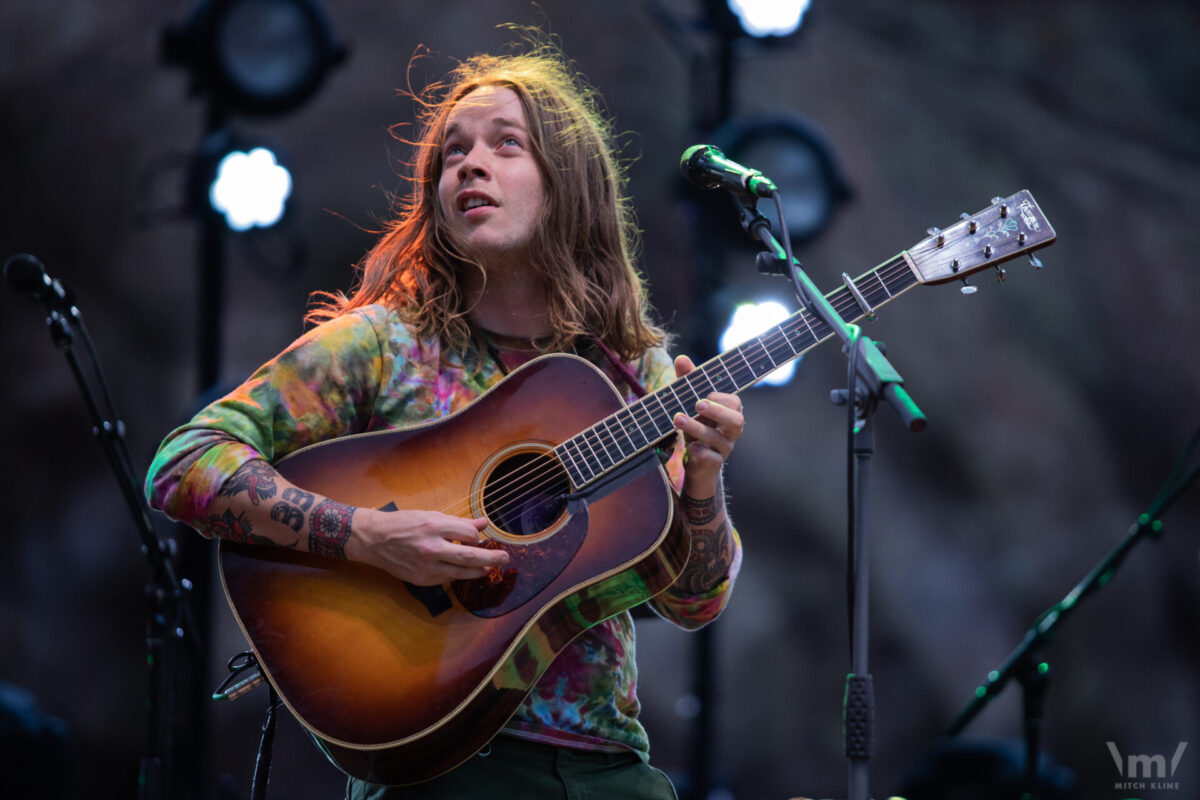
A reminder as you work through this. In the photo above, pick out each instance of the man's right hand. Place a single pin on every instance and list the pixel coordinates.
(425, 548)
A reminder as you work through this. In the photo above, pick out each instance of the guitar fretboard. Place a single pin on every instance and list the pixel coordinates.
(643, 424)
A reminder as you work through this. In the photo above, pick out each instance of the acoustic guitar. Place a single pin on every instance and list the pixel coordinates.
(400, 683)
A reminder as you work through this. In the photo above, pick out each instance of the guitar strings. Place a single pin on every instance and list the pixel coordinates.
(548, 470)
(544, 470)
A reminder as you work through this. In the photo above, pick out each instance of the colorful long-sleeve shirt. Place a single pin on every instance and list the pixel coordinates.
(367, 370)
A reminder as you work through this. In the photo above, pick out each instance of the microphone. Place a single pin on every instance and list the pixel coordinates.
(26, 273)
(707, 167)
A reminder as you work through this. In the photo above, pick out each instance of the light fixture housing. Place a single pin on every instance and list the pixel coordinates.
(255, 57)
(794, 153)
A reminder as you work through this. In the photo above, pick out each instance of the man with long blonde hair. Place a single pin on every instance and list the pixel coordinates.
(516, 240)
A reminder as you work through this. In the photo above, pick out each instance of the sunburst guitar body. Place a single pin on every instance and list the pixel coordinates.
(399, 683)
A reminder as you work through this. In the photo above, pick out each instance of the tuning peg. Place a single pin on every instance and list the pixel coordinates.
(1001, 274)
(1035, 261)
(999, 201)
(941, 237)
(968, 288)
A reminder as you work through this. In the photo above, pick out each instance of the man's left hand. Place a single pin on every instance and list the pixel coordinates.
(709, 437)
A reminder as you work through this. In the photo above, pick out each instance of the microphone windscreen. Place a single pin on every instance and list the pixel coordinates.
(25, 273)
(695, 165)
(686, 159)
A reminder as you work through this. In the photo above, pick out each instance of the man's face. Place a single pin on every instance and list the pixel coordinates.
(491, 188)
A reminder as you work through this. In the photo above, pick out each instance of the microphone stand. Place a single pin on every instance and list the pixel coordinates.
(1034, 677)
(870, 378)
(169, 617)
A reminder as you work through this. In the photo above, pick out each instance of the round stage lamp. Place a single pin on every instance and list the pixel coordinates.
(256, 57)
(752, 319)
(764, 18)
(250, 189)
(793, 153)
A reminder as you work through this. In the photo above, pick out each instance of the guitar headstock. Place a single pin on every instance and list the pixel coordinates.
(1008, 228)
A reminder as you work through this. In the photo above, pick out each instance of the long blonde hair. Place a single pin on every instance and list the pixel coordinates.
(583, 248)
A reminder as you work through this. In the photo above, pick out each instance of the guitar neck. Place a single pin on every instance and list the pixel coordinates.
(641, 425)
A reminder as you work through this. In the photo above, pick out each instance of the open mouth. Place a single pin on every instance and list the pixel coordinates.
(474, 201)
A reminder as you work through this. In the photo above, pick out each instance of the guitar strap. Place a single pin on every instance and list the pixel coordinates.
(622, 367)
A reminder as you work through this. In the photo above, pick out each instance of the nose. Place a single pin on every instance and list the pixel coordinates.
(473, 164)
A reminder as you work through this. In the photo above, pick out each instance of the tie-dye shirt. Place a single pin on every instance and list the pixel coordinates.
(367, 370)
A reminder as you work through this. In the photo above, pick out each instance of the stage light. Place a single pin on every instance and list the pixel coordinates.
(250, 189)
(792, 151)
(763, 18)
(255, 56)
(751, 319)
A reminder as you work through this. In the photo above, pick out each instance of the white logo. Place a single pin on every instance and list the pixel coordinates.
(1146, 767)
(1030, 219)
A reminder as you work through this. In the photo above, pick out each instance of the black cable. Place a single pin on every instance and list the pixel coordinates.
(262, 762)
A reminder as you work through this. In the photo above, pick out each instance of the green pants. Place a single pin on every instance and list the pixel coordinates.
(530, 771)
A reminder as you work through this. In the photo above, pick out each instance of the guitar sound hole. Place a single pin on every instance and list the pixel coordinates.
(525, 493)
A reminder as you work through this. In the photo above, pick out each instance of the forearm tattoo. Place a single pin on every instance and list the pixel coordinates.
(329, 528)
(328, 522)
(712, 546)
(290, 510)
(256, 478)
(234, 528)
(712, 552)
(699, 512)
